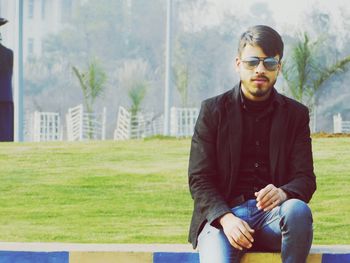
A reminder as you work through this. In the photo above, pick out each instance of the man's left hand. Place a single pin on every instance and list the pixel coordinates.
(270, 197)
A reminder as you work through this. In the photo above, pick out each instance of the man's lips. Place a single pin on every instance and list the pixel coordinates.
(260, 80)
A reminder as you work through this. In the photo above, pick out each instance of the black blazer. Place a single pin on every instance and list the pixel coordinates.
(216, 148)
(6, 68)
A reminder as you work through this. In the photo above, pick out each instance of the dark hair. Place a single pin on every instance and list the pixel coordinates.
(263, 36)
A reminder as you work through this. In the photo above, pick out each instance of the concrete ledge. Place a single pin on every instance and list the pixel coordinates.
(138, 253)
(50, 247)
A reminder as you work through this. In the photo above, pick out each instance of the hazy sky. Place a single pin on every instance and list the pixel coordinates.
(285, 13)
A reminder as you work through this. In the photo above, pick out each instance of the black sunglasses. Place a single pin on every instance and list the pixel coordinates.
(270, 63)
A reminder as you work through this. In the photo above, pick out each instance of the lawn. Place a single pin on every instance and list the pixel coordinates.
(134, 191)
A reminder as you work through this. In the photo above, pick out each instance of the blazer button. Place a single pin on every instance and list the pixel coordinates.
(256, 165)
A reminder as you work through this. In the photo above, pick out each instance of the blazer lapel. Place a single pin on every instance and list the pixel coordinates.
(235, 128)
(277, 133)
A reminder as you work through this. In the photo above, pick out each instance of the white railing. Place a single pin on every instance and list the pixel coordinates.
(85, 126)
(46, 126)
(139, 126)
(183, 121)
(122, 131)
(144, 125)
(340, 126)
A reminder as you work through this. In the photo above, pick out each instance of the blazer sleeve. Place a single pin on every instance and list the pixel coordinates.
(302, 182)
(203, 172)
(10, 62)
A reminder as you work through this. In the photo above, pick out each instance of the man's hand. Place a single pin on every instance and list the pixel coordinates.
(270, 197)
(237, 231)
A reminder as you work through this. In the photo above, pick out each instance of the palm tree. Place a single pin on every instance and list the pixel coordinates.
(306, 74)
(181, 79)
(136, 94)
(133, 77)
(181, 73)
(92, 84)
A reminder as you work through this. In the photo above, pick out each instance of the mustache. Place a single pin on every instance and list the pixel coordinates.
(260, 77)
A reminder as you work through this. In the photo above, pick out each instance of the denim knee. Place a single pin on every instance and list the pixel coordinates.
(213, 246)
(296, 214)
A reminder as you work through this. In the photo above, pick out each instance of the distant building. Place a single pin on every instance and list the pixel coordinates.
(40, 18)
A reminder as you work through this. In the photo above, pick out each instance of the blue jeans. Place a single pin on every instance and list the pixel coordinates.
(286, 228)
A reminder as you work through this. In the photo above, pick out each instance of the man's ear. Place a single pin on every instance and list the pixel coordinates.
(279, 69)
(237, 64)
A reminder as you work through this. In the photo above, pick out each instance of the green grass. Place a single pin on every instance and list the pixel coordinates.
(134, 191)
(330, 203)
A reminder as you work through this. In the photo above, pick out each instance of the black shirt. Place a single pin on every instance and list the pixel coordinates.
(254, 170)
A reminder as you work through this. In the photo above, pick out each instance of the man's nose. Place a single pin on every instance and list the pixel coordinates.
(260, 67)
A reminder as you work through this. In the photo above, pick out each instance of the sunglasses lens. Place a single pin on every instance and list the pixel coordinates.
(251, 62)
(270, 63)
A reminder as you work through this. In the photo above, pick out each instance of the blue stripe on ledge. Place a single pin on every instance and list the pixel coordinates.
(166, 253)
(173, 257)
(336, 258)
(176, 257)
(33, 257)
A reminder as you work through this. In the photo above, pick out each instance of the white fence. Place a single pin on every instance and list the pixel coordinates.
(80, 125)
(122, 131)
(85, 126)
(340, 126)
(144, 125)
(46, 126)
(183, 121)
(139, 126)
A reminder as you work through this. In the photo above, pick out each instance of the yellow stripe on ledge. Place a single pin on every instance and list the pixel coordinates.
(275, 258)
(110, 257)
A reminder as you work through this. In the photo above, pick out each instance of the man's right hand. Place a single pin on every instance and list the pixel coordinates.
(237, 231)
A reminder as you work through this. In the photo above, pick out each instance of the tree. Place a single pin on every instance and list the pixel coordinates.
(306, 71)
(181, 73)
(181, 79)
(297, 70)
(92, 84)
(133, 77)
(136, 94)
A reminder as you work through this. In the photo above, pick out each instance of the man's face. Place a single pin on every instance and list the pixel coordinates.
(257, 80)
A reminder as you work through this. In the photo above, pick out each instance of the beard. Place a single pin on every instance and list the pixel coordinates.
(258, 90)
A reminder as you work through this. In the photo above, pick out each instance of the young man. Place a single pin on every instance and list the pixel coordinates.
(251, 167)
